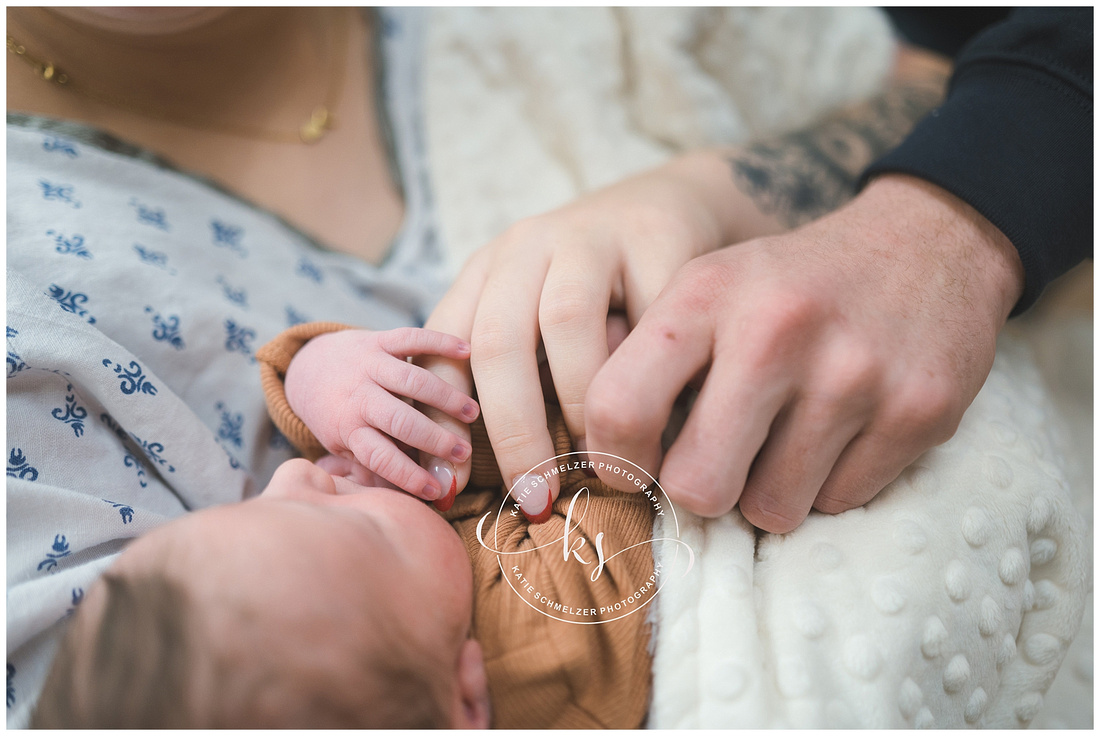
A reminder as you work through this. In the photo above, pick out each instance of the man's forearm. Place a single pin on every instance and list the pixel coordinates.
(801, 176)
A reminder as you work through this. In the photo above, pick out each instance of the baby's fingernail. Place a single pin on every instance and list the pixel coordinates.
(470, 410)
(582, 447)
(459, 452)
(463, 346)
(430, 492)
(532, 492)
(444, 472)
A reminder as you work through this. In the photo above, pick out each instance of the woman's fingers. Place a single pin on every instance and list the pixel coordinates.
(573, 320)
(642, 286)
(554, 277)
(504, 365)
(454, 315)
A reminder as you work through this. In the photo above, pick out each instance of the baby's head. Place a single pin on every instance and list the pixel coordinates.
(317, 604)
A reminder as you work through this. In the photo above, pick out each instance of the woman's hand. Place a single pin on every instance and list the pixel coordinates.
(554, 278)
(348, 387)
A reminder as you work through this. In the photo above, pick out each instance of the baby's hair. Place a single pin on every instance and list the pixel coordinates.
(139, 672)
(141, 659)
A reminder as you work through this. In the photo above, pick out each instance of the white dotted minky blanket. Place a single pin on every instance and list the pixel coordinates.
(948, 601)
(530, 107)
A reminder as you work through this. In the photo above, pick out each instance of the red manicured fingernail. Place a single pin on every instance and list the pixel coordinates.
(445, 503)
(533, 492)
(544, 516)
(445, 474)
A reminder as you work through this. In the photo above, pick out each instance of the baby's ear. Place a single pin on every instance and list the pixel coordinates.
(471, 707)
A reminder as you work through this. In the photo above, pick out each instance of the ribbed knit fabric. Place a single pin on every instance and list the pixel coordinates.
(543, 673)
(274, 359)
(546, 673)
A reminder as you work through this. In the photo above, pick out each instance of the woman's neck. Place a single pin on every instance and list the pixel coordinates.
(258, 68)
(265, 68)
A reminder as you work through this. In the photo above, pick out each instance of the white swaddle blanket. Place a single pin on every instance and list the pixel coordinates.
(952, 598)
(948, 601)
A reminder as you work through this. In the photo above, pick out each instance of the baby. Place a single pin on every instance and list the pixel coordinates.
(330, 601)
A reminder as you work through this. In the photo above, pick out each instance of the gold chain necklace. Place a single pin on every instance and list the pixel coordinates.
(321, 120)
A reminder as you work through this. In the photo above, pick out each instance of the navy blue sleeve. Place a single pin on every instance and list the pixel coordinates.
(1014, 138)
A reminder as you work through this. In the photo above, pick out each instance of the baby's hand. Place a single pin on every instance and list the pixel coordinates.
(346, 386)
(342, 467)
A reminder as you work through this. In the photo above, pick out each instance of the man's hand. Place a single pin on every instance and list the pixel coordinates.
(833, 356)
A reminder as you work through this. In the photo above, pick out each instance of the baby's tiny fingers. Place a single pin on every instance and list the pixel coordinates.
(406, 341)
(420, 384)
(402, 422)
(376, 452)
(346, 467)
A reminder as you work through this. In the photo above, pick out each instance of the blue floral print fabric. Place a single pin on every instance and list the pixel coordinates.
(137, 296)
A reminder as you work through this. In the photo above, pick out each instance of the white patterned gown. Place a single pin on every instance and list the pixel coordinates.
(137, 296)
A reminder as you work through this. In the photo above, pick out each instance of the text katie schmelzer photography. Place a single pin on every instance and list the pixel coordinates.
(592, 548)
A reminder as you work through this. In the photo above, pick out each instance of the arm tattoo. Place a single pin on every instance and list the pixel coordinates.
(800, 176)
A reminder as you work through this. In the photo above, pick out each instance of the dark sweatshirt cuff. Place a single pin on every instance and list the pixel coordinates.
(1016, 145)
